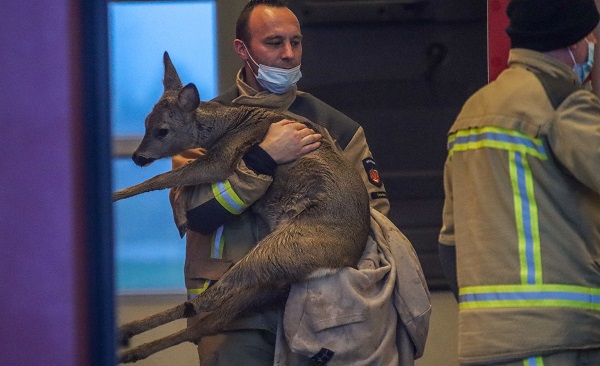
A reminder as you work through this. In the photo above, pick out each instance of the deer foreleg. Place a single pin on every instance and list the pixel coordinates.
(204, 170)
(161, 181)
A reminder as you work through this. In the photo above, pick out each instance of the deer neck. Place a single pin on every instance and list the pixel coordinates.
(255, 118)
(226, 120)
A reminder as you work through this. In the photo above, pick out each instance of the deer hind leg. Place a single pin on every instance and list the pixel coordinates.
(286, 256)
(147, 349)
(128, 330)
(210, 323)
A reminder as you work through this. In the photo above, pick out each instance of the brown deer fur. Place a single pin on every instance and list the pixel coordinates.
(317, 209)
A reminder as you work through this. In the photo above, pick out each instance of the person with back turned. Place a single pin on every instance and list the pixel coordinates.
(520, 242)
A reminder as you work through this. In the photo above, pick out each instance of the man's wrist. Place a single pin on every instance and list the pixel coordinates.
(259, 161)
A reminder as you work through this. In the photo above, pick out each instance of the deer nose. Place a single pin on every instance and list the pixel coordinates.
(140, 160)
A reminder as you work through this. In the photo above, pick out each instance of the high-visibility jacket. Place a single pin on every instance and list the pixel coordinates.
(222, 226)
(522, 185)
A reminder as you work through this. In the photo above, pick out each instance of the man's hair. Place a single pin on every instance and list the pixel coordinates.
(241, 29)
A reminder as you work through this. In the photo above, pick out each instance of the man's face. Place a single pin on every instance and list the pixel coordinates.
(275, 38)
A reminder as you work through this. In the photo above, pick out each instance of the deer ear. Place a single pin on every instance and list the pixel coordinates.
(171, 80)
(189, 98)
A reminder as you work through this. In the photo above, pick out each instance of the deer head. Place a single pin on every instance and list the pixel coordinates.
(171, 125)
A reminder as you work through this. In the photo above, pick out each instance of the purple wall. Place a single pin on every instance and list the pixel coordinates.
(42, 293)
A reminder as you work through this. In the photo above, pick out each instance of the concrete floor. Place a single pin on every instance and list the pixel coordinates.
(440, 350)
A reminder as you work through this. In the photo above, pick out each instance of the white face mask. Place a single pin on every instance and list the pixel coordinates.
(584, 70)
(275, 79)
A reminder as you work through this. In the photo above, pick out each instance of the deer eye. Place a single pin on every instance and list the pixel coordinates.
(161, 133)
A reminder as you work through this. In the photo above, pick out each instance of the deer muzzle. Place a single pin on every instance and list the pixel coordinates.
(140, 160)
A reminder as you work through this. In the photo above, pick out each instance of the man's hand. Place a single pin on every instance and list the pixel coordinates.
(288, 140)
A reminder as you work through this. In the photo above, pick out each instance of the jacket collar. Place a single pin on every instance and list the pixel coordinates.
(541, 62)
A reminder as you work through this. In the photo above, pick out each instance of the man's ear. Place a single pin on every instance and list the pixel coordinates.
(240, 49)
(572, 47)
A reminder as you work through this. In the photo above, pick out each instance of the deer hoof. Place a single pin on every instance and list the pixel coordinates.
(125, 338)
(182, 230)
(127, 357)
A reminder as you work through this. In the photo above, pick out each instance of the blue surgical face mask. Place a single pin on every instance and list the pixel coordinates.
(584, 70)
(275, 79)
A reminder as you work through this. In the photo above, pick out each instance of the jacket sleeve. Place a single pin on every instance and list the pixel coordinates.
(446, 246)
(575, 137)
(446, 235)
(209, 206)
(357, 152)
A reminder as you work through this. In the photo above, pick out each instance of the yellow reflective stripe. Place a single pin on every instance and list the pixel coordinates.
(227, 197)
(495, 138)
(193, 292)
(538, 295)
(216, 249)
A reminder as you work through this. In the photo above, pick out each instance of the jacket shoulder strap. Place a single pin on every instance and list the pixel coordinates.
(557, 89)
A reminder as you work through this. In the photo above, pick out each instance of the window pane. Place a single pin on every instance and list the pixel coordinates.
(149, 252)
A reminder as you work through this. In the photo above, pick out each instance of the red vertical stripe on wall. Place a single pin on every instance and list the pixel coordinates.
(596, 68)
(498, 41)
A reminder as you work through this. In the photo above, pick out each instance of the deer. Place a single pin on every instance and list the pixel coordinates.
(317, 209)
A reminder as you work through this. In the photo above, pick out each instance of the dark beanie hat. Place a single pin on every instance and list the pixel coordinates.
(545, 25)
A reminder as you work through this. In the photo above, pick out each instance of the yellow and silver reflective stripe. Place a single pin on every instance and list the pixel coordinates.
(227, 197)
(216, 249)
(216, 252)
(495, 138)
(531, 292)
(538, 295)
(526, 216)
(193, 292)
(519, 146)
(533, 361)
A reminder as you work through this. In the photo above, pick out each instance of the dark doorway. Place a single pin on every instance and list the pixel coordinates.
(402, 69)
